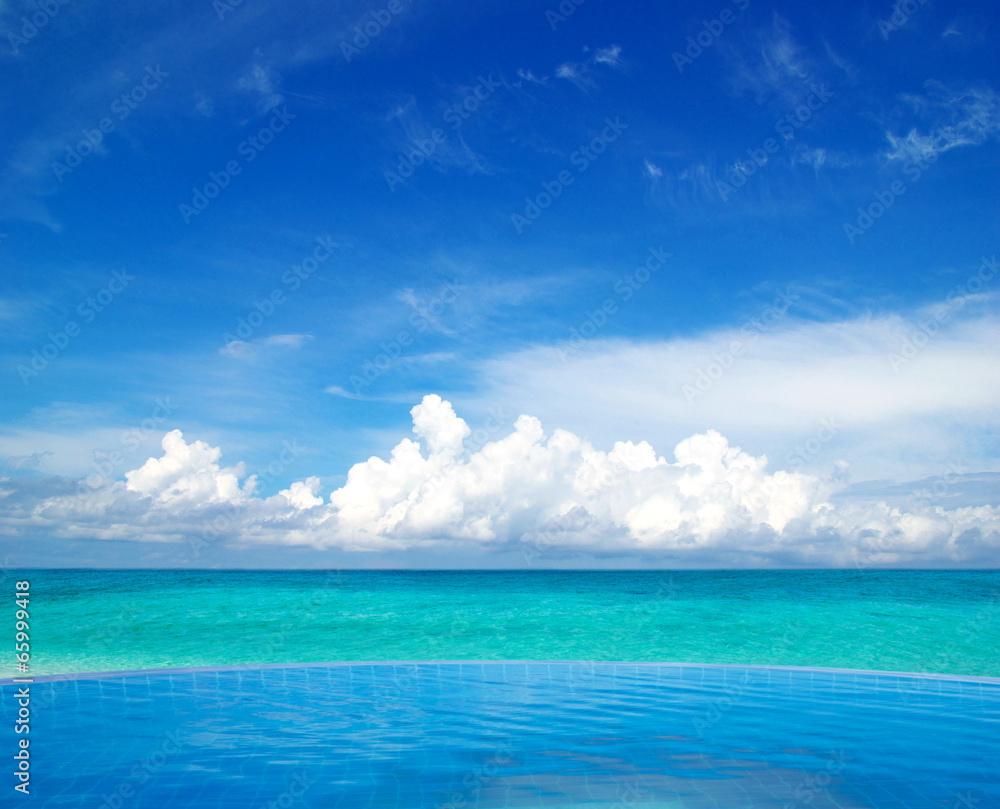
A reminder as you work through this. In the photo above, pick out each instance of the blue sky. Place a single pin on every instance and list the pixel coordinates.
(697, 261)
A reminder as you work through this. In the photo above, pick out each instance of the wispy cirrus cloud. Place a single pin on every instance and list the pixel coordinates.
(412, 127)
(252, 349)
(769, 63)
(582, 74)
(528, 76)
(953, 117)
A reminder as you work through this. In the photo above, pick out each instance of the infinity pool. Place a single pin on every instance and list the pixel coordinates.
(478, 735)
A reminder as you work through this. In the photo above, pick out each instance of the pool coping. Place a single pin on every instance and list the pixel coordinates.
(104, 675)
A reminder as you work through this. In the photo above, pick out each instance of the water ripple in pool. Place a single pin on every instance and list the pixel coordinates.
(453, 736)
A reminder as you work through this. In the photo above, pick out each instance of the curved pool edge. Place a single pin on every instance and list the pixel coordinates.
(104, 675)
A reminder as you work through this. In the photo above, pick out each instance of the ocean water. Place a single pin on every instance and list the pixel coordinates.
(917, 621)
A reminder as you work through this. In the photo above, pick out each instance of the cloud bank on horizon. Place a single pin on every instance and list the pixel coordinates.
(542, 494)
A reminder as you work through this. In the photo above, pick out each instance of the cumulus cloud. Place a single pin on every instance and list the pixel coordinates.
(302, 494)
(547, 493)
(188, 473)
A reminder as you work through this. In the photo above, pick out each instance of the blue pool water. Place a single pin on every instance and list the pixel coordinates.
(477, 735)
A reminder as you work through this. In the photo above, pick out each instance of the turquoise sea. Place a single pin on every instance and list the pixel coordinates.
(920, 621)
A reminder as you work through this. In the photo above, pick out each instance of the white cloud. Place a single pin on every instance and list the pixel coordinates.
(32, 461)
(902, 416)
(967, 117)
(337, 390)
(688, 188)
(527, 75)
(204, 105)
(189, 474)
(580, 72)
(818, 158)
(813, 157)
(769, 62)
(246, 349)
(260, 81)
(548, 493)
(575, 73)
(83, 447)
(302, 494)
(609, 56)
(451, 153)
